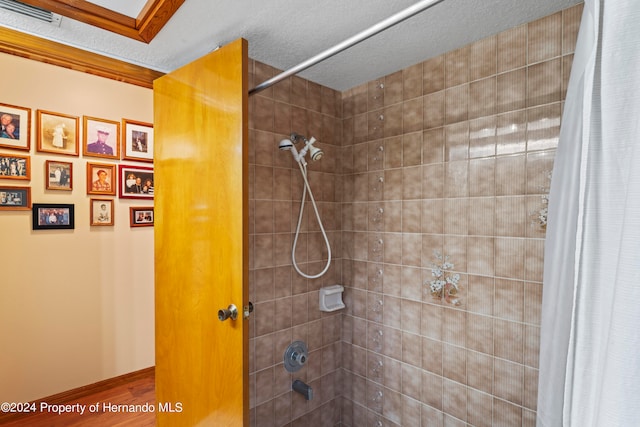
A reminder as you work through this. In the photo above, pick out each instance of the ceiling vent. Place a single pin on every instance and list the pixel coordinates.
(31, 11)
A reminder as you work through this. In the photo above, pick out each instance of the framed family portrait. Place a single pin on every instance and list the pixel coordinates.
(15, 198)
(136, 182)
(101, 212)
(101, 179)
(57, 133)
(14, 166)
(48, 216)
(137, 141)
(101, 138)
(141, 216)
(58, 175)
(16, 127)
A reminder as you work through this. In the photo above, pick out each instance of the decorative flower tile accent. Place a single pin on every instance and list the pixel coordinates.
(540, 216)
(444, 286)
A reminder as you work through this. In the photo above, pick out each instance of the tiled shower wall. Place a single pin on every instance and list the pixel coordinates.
(451, 155)
(286, 304)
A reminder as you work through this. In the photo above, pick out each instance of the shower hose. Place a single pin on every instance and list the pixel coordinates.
(303, 170)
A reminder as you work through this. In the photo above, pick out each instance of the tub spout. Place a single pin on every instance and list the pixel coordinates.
(303, 389)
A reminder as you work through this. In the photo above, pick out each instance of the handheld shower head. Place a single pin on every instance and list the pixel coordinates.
(286, 144)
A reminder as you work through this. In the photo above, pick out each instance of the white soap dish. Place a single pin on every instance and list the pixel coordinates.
(331, 298)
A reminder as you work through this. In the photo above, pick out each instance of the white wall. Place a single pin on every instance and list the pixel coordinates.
(76, 306)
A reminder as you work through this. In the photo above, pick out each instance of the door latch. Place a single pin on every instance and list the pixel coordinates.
(231, 312)
(248, 309)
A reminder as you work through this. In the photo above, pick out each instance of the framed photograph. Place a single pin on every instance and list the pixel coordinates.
(141, 216)
(13, 166)
(16, 127)
(136, 182)
(15, 198)
(101, 138)
(57, 133)
(101, 179)
(137, 141)
(101, 212)
(48, 216)
(58, 175)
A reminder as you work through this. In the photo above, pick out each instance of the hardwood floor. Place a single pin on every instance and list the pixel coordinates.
(137, 388)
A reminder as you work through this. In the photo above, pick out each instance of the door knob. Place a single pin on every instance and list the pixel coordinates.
(228, 313)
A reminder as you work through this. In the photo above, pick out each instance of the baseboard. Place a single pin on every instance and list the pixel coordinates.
(77, 393)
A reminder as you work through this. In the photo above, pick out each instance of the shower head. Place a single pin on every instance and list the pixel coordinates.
(286, 144)
(315, 152)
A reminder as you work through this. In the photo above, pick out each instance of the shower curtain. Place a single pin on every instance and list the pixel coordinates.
(590, 333)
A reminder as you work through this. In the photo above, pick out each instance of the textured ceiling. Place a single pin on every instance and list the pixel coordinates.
(284, 33)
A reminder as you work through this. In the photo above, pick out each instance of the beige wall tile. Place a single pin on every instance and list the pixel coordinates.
(482, 137)
(482, 178)
(433, 146)
(434, 110)
(511, 90)
(544, 82)
(508, 381)
(483, 97)
(511, 48)
(412, 81)
(412, 115)
(454, 366)
(511, 132)
(543, 127)
(570, 25)
(545, 38)
(457, 67)
(454, 400)
(483, 58)
(393, 85)
(480, 255)
(412, 148)
(433, 75)
(456, 104)
(456, 138)
(509, 340)
(479, 408)
(480, 371)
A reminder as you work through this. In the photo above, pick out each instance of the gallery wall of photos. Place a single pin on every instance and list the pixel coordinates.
(117, 158)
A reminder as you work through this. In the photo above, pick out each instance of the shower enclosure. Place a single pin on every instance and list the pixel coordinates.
(436, 172)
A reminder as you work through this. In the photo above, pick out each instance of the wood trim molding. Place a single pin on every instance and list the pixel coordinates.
(154, 15)
(71, 396)
(32, 47)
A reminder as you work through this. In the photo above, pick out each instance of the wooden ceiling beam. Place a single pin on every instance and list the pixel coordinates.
(153, 17)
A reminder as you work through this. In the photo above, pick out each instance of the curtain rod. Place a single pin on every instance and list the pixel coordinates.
(363, 35)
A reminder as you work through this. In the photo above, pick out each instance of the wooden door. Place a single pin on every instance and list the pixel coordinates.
(201, 240)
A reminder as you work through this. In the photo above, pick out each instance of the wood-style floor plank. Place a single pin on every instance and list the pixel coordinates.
(137, 391)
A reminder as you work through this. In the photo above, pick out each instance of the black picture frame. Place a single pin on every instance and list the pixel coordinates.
(43, 214)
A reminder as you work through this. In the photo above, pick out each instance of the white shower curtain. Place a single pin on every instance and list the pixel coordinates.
(590, 333)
